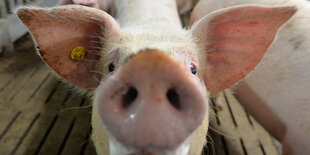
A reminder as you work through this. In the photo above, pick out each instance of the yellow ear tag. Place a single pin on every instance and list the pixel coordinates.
(78, 53)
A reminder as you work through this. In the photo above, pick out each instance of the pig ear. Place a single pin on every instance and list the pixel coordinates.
(235, 40)
(69, 39)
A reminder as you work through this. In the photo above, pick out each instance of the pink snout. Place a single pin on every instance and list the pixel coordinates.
(152, 102)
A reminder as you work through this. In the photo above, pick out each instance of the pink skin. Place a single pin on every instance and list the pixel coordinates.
(149, 74)
(160, 122)
(237, 41)
(78, 32)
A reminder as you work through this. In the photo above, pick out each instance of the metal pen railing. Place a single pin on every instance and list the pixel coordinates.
(11, 28)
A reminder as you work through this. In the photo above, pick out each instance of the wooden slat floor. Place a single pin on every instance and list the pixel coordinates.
(40, 115)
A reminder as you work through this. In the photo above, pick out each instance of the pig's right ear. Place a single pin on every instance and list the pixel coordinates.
(70, 39)
(234, 40)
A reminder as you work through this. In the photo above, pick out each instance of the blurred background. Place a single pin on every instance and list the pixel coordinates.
(11, 29)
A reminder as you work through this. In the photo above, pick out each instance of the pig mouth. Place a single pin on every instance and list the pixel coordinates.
(117, 148)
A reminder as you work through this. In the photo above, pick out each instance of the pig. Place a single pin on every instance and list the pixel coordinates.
(277, 92)
(105, 5)
(149, 78)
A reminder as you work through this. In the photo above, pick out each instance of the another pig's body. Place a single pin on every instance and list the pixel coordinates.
(106, 5)
(277, 92)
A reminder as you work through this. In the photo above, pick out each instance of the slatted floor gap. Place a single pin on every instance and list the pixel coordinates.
(41, 115)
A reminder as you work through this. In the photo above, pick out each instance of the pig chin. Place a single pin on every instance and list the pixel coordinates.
(105, 142)
(117, 148)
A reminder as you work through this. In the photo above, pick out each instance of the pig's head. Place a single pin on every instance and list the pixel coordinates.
(150, 82)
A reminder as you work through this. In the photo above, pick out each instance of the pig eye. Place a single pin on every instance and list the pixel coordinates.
(193, 69)
(111, 67)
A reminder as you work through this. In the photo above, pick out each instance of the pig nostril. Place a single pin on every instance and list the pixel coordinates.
(173, 98)
(129, 97)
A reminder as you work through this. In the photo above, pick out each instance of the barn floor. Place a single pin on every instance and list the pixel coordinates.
(39, 115)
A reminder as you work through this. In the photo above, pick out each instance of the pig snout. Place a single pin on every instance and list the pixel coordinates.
(152, 102)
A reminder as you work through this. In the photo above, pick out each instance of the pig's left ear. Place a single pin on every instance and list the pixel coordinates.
(235, 40)
(70, 39)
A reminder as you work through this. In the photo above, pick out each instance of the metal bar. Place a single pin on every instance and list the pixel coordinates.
(27, 1)
(11, 5)
(3, 9)
(19, 2)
